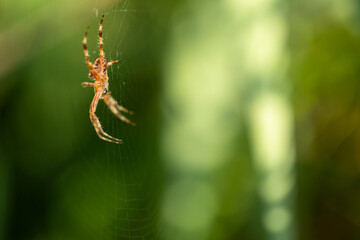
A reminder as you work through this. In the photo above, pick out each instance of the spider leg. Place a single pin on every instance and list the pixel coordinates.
(88, 84)
(113, 62)
(97, 125)
(113, 102)
(100, 132)
(87, 56)
(102, 54)
(116, 108)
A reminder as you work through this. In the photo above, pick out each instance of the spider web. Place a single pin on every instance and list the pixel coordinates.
(134, 198)
(124, 185)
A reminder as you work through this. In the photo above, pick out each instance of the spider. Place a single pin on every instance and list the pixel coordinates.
(98, 73)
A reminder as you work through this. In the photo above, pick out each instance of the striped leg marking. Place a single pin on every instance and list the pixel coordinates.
(87, 56)
(102, 54)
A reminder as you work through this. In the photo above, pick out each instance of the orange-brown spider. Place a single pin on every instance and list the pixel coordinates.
(98, 73)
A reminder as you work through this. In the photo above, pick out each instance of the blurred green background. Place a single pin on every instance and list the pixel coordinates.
(247, 120)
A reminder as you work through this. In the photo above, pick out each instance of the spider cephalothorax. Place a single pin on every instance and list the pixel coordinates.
(98, 73)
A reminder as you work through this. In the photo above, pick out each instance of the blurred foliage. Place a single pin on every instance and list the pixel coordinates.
(326, 70)
(58, 180)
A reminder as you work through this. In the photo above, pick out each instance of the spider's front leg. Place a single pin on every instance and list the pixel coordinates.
(94, 119)
(86, 52)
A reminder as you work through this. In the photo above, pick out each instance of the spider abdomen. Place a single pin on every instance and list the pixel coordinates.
(100, 66)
